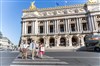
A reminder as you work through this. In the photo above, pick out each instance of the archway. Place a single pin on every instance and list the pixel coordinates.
(75, 41)
(41, 40)
(52, 42)
(29, 40)
(62, 41)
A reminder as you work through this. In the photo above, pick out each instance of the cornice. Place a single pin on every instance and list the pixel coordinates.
(54, 8)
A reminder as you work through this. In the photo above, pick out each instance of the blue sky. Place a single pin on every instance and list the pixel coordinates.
(11, 12)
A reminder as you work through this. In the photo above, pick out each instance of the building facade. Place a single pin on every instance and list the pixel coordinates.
(61, 26)
(5, 43)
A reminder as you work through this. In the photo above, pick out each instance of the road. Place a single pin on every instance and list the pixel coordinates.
(54, 58)
(6, 57)
(77, 58)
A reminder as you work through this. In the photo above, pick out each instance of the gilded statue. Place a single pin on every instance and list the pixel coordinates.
(32, 7)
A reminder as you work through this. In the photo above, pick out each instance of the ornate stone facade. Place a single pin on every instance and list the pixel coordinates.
(61, 26)
(5, 43)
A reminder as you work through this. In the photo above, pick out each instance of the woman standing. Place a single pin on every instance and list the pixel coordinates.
(41, 50)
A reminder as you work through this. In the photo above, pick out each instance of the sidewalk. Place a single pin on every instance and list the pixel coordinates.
(61, 49)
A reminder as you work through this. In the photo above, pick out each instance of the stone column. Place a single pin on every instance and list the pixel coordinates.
(82, 41)
(57, 40)
(47, 26)
(67, 40)
(43, 27)
(80, 24)
(36, 27)
(57, 30)
(77, 24)
(25, 29)
(70, 40)
(33, 28)
(55, 26)
(66, 25)
(90, 23)
(45, 41)
(95, 23)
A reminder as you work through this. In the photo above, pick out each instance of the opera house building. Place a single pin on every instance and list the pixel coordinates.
(61, 26)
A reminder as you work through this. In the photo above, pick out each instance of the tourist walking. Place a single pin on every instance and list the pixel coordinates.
(23, 49)
(41, 50)
(37, 49)
(32, 48)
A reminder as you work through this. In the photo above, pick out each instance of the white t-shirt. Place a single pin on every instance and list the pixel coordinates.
(25, 46)
(21, 45)
(42, 49)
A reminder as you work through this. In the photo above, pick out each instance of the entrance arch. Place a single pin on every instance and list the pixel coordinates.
(62, 41)
(29, 40)
(41, 40)
(75, 41)
(52, 42)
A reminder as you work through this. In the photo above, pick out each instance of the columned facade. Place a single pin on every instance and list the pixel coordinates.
(61, 26)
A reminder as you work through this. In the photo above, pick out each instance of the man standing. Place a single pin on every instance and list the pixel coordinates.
(23, 49)
(32, 48)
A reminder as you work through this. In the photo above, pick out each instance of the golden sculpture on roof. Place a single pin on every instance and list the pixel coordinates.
(32, 7)
(91, 1)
